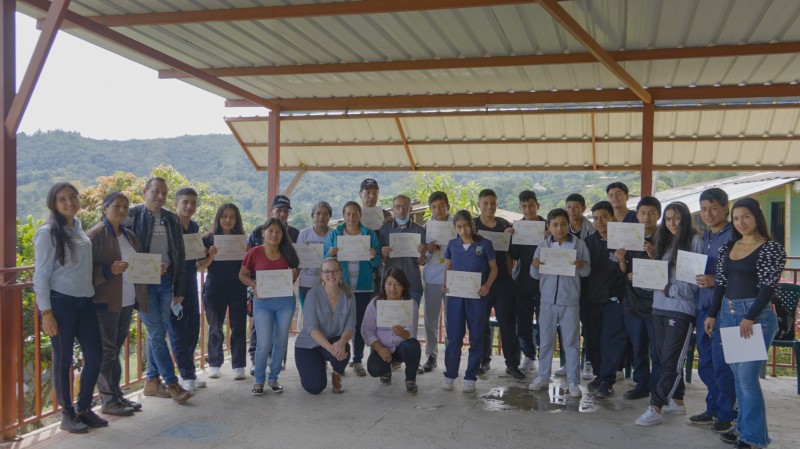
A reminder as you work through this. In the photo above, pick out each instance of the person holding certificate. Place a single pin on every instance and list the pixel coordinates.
(433, 275)
(316, 234)
(114, 298)
(560, 300)
(329, 322)
(748, 269)
(469, 252)
(358, 274)
(63, 285)
(223, 295)
(403, 226)
(397, 343)
(673, 313)
(272, 316)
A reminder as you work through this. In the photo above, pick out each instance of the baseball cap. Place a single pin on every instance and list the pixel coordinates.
(280, 201)
(369, 183)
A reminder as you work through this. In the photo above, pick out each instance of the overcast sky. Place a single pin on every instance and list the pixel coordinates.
(101, 95)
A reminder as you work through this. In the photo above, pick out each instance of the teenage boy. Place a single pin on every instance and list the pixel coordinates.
(639, 307)
(403, 224)
(527, 288)
(711, 367)
(560, 303)
(185, 331)
(617, 193)
(159, 231)
(433, 275)
(502, 295)
(601, 304)
(579, 226)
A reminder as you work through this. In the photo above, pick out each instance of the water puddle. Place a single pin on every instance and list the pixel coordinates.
(555, 399)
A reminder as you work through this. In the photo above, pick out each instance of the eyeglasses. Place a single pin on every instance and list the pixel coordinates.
(401, 206)
(330, 272)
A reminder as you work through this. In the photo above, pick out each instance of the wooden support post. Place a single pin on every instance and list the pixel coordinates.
(648, 120)
(293, 184)
(787, 219)
(273, 156)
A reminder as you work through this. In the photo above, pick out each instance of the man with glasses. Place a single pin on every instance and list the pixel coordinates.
(403, 224)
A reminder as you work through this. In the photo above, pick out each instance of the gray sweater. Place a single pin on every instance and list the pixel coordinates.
(562, 290)
(679, 300)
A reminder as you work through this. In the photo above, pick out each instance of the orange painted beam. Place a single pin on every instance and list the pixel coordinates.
(295, 181)
(531, 168)
(273, 157)
(405, 143)
(648, 126)
(594, 141)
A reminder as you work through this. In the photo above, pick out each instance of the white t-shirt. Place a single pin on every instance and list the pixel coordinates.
(128, 289)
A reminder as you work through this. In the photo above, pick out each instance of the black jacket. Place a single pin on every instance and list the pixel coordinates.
(140, 221)
(606, 279)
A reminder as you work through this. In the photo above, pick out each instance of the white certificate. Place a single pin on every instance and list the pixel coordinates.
(391, 313)
(144, 268)
(230, 247)
(372, 217)
(440, 232)
(193, 245)
(352, 248)
(689, 265)
(558, 261)
(737, 349)
(528, 232)
(274, 283)
(404, 244)
(310, 254)
(463, 284)
(629, 236)
(650, 274)
(500, 240)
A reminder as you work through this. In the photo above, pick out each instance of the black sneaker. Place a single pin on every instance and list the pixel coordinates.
(72, 424)
(604, 391)
(484, 367)
(397, 365)
(116, 408)
(411, 387)
(132, 404)
(594, 384)
(514, 372)
(722, 426)
(429, 365)
(730, 437)
(91, 419)
(703, 418)
(742, 445)
(636, 393)
(253, 371)
(386, 379)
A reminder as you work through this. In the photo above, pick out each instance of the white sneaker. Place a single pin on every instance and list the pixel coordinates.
(447, 384)
(649, 418)
(528, 364)
(188, 385)
(238, 373)
(587, 373)
(575, 391)
(539, 384)
(469, 386)
(199, 383)
(213, 372)
(562, 371)
(673, 408)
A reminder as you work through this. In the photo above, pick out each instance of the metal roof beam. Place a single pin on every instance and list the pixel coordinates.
(405, 143)
(561, 16)
(584, 167)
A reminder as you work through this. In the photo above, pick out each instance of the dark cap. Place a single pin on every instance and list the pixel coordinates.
(369, 183)
(280, 201)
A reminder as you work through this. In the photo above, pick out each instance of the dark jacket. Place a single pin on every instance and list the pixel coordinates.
(140, 221)
(106, 251)
(606, 280)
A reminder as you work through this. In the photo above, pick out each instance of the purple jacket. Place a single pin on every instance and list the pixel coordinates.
(372, 333)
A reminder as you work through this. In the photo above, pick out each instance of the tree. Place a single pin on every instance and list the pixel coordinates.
(460, 196)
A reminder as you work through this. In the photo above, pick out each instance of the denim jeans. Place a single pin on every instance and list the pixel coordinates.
(272, 318)
(752, 422)
(714, 372)
(185, 332)
(156, 319)
(311, 366)
(409, 351)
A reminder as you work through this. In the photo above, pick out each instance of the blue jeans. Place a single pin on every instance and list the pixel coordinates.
(471, 313)
(714, 372)
(752, 422)
(156, 320)
(185, 332)
(272, 318)
(643, 338)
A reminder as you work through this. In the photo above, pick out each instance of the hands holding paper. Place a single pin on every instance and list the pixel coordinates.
(118, 267)
(745, 327)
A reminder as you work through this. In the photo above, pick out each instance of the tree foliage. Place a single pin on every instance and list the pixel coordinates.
(461, 196)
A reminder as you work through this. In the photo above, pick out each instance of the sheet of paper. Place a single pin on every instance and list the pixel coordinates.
(440, 232)
(391, 313)
(310, 254)
(352, 248)
(193, 245)
(559, 261)
(372, 217)
(144, 268)
(629, 236)
(274, 283)
(404, 244)
(528, 232)
(650, 274)
(737, 349)
(689, 265)
(463, 284)
(500, 240)
(230, 247)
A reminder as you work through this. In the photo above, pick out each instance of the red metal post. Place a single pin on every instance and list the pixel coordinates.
(648, 119)
(273, 156)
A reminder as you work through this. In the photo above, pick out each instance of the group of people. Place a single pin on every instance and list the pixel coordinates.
(83, 293)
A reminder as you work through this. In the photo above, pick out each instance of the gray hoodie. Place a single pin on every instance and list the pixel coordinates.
(562, 290)
(679, 301)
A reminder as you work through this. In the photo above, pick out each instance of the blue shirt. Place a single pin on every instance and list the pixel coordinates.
(74, 278)
(475, 258)
(712, 242)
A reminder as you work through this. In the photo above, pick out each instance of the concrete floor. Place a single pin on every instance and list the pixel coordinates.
(503, 414)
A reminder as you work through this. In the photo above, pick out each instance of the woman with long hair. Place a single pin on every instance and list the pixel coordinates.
(63, 286)
(673, 313)
(272, 316)
(748, 269)
(224, 294)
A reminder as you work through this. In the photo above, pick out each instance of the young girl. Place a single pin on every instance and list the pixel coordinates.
(271, 316)
(673, 313)
(467, 252)
(748, 268)
(223, 294)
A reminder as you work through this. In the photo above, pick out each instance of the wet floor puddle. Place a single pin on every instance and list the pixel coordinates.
(555, 399)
